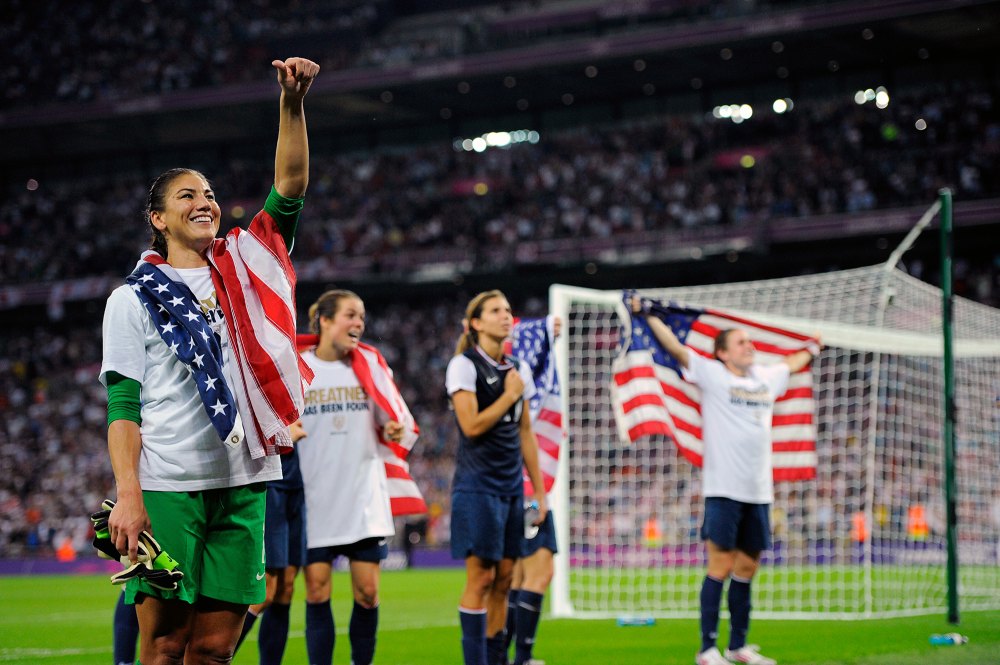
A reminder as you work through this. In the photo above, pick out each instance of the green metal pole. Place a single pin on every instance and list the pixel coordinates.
(947, 304)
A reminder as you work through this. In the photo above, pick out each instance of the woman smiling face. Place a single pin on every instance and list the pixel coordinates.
(344, 329)
(190, 216)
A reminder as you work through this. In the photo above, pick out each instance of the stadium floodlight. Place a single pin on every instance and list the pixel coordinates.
(495, 140)
(881, 97)
(782, 105)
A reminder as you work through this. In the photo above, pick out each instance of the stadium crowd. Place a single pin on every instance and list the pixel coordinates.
(71, 52)
(388, 211)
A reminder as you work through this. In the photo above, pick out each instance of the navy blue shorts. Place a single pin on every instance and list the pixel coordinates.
(546, 537)
(371, 550)
(735, 525)
(488, 526)
(284, 528)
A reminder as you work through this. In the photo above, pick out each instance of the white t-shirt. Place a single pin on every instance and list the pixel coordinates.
(736, 427)
(181, 451)
(347, 495)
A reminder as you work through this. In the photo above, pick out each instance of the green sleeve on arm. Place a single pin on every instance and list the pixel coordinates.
(123, 398)
(285, 212)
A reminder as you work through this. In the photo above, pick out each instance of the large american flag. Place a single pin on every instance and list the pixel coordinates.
(650, 396)
(532, 343)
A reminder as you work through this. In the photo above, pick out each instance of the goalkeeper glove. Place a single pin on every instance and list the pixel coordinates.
(159, 569)
(154, 565)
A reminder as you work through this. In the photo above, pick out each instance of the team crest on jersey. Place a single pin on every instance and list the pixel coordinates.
(338, 423)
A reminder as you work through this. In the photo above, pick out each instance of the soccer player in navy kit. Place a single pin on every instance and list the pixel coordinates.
(487, 392)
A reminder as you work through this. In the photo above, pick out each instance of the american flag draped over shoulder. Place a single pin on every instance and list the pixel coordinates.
(650, 396)
(176, 313)
(532, 343)
(255, 284)
(375, 378)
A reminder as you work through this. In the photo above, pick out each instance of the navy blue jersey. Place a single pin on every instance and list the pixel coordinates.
(490, 463)
(291, 475)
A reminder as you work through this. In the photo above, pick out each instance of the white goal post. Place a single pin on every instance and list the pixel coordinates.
(866, 537)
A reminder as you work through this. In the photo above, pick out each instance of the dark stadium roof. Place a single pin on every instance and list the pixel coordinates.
(815, 51)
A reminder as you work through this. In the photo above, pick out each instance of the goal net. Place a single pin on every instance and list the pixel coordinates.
(866, 537)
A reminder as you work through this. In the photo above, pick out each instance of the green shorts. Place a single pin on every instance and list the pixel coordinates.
(217, 537)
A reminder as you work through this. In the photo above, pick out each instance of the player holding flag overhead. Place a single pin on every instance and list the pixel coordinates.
(737, 400)
(353, 470)
(488, 391)
(203, 379)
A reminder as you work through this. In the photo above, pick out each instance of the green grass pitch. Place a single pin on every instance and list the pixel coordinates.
(67, 620)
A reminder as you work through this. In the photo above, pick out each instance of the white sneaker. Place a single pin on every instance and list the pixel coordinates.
(710, 657)
(749, 654)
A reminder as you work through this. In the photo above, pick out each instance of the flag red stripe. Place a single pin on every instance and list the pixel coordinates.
(792, 419)
(794, 473)
(647, 428)
(793, 446)
(547, 445)
(685, 426)
(642, 400)
(638, 372)
(550, 416)
(679, 395)
(396, 471)
(407, 505)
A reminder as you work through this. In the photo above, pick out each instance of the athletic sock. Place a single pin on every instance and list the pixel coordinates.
(126, 632)
(320, 635)
(711, 599)
(739, 611)
(529, 611)
(473, 635)
(273, 634)
(495, 654)
(364, 624)
(511, 619)
(248, 622)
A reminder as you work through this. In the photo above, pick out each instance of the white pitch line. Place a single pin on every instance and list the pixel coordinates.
(15, 654)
